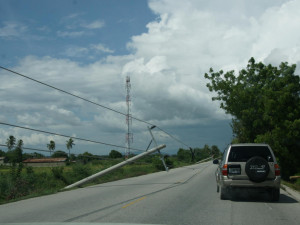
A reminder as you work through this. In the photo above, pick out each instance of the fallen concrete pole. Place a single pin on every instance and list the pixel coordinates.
(204, 160)
(99, 174)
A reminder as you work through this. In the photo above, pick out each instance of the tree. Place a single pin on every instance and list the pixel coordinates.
(51, 146)
(2, 153)
(10, 143)
(59, 154)
(33, 155)
(215, 151)
(265, 104)
(72, 157)
(69, 145)
(86, 157)
(115, 154)
(14, 155)
(184, 155)
(19, 151)
(157, 162)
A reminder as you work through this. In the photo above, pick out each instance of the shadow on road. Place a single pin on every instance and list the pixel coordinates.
(259, 196)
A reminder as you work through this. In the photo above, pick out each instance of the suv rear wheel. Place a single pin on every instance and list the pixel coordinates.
(275, 194)
(224, 193)
(257, 169)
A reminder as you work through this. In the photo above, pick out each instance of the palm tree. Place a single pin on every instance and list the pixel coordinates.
(51, 146)
(69, 145)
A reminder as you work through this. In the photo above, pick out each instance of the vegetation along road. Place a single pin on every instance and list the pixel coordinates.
(184, 195)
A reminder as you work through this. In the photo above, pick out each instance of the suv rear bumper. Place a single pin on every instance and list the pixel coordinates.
(226, 182)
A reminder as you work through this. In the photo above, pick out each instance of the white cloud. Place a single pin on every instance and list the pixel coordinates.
(75, 26)
(33, 119)
(72, 16)
(76, 52)
(97, 24)
(12, 30)
(101, 48)
(90, 51)
(278, 31)
(44, 29)
(29, 138)
(166, 67)
(71, 34)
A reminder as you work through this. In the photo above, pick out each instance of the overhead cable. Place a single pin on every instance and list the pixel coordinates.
(176, 139)
(67, 136)
(42, 150)
(33, 149)
(76, 96)
(92, 102)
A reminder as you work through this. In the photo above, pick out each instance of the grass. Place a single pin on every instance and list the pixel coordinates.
(46, 180)
(295, 184)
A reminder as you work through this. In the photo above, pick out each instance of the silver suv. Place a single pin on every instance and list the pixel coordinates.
(248, 166)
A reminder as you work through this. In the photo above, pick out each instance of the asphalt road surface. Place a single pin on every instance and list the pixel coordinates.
(182, 196)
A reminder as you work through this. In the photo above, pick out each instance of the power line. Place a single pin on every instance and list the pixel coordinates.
(33, 149)
(176, 139)
(76, 96)
(42, 150)
(67, 136)
(92, 102)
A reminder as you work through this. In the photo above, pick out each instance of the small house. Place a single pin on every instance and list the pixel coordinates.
(45, 162)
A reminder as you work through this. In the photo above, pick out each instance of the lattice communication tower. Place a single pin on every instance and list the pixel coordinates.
(129, 134)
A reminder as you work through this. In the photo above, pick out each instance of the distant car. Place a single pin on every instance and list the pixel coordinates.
(248, 166)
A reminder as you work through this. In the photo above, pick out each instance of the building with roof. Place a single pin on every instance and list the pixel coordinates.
(45, 162)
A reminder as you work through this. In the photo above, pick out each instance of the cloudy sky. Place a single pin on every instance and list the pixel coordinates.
(165, 46)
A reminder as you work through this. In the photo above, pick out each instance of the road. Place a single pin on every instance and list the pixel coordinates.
(182, 196)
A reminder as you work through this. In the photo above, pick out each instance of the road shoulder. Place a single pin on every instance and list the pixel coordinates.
(291, 192)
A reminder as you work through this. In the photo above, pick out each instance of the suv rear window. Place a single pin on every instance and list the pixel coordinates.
(243, 153)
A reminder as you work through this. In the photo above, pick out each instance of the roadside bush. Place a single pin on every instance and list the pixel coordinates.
(159, 164)
(58, 173)
(31, 177)
(96, 162)
(13, 185)
(184, 155)
(169, 161)
(78, 172)
(3, 186)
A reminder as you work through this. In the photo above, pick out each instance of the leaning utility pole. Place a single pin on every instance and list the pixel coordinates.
(129, 135)
(101, 173)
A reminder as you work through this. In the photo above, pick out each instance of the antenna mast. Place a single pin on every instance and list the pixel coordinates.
(129, 135)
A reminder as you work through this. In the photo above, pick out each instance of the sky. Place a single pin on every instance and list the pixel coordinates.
(88, 48)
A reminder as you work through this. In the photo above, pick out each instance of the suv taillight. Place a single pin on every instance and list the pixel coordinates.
(277, 170)
(224, 170)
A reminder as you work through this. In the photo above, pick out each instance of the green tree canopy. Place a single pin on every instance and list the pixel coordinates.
(15, 153)
(2, 153)
(184, 155)
(264, 101)
(202, 153)
(59, 154)
(215, 151)
(19, 151)
(86, 157)
(10, 143)
(115, 154)
(33, 155)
